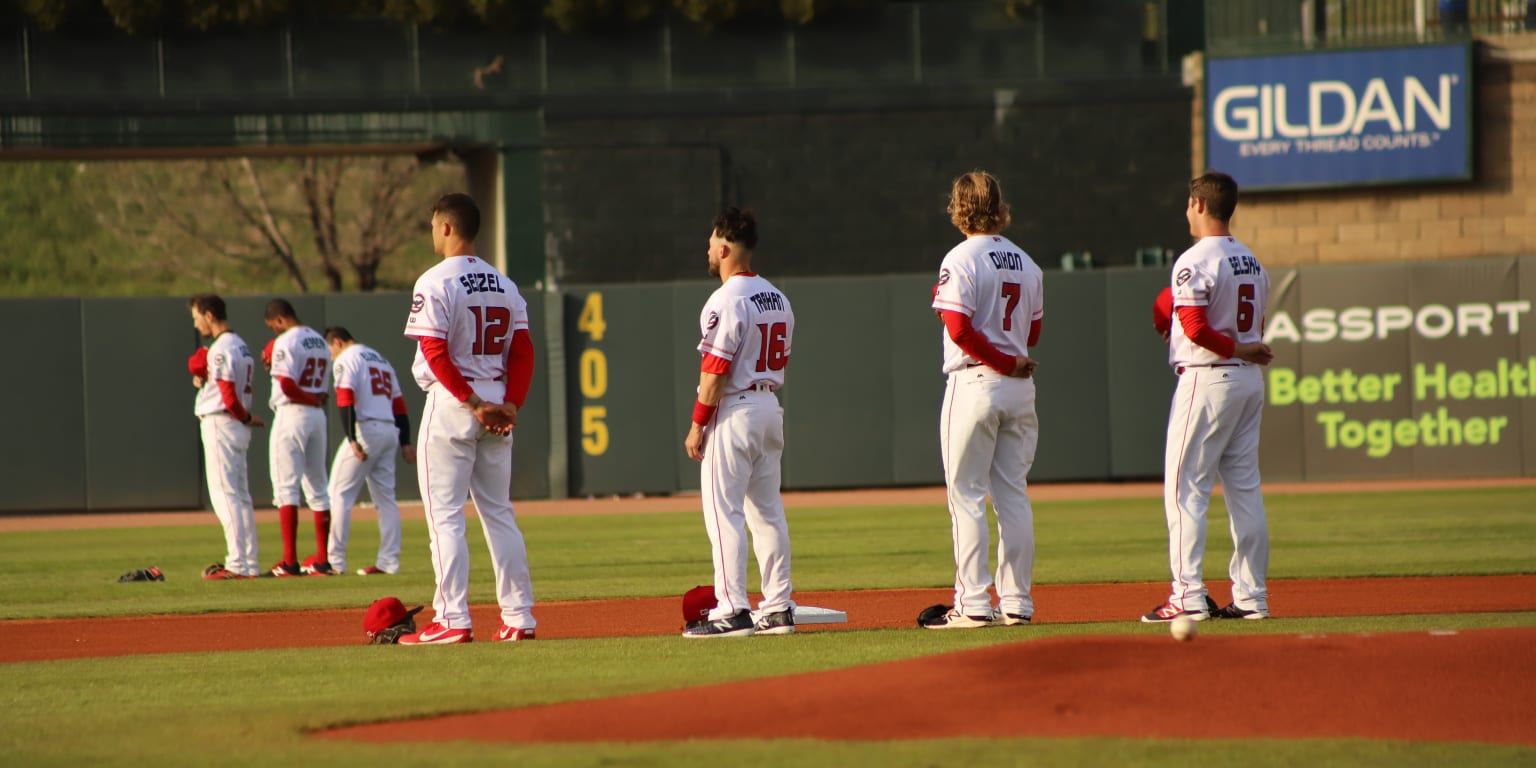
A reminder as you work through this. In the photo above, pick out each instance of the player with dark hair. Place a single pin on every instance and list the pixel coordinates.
(376, 428)
(1215, 347)
(991, 297)
(223, 379)
(474, 359)
(737, 434)
(301, 370)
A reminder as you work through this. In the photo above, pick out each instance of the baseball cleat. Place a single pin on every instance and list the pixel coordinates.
(1231, 611)
(314, 565)
(512, 635)
(217, 572)
(1168, 612)
(954, 619)
(779, 623)
(1015, 619)
(437, 634)
(373, 570)
(737, 625)
(284, 570)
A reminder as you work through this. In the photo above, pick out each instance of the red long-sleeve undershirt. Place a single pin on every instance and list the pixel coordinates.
(715, 364)
(975, 343)
(291, 389)
(520, 358)
(231, 400)
(1198, 330)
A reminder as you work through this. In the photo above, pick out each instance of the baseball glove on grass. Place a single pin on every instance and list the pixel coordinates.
(932, 614)
(142, 574)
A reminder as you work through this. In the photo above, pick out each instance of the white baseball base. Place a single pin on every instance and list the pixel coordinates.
(810, 614)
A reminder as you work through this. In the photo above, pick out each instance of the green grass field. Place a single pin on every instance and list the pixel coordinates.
(253, 708)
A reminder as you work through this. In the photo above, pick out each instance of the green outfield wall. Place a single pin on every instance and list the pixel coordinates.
(1381, 371)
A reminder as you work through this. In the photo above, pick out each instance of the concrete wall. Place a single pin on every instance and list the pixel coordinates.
(843, 188)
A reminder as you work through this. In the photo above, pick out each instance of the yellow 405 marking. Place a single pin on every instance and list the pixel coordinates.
(592, 375)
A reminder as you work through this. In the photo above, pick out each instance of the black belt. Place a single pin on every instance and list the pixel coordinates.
(974, 365)
(1181, 368)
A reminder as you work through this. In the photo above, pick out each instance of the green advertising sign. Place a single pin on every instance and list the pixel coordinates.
(1400, 371)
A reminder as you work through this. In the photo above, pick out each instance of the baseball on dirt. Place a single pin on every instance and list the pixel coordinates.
(1182, 628)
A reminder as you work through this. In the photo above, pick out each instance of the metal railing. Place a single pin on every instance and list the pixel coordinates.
(1251, 26)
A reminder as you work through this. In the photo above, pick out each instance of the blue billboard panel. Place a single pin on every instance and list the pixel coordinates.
(1341, 118)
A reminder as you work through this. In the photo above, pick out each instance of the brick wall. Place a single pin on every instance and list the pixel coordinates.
(1495, 215)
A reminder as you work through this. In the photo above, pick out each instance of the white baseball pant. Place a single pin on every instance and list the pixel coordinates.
(457, 458)
(1213, 430)
(297, 456)
(988, 431)
(381, 441)
(739, 484)
(226, 444)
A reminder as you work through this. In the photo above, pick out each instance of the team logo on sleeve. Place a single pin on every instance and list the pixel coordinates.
(280, 356)
(1183, 276)
(943, 276)
(417, 302)
(714, 320)
(218, 360)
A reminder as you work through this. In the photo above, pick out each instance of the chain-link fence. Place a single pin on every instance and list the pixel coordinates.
(1251, 26)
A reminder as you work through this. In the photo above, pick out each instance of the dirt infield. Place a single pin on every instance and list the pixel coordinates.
(43, 640)
(1418, 686)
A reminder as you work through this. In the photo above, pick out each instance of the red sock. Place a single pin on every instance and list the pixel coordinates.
(288, 514)
(322, 533)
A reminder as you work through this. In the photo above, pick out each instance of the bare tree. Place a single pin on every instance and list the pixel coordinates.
(354, 211)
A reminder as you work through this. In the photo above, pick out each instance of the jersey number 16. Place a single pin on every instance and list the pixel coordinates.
(772, 356)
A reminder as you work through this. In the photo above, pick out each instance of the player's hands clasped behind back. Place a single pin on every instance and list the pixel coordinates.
(1254, 352)
(1024, 367)
(496, 417)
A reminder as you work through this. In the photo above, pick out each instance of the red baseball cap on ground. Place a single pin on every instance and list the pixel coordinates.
(385, 613)
(697, 603)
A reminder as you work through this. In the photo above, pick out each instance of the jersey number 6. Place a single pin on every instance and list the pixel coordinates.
(491, 324)
(771, 357)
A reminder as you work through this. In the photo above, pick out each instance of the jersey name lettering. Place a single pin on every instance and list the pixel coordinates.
(1243, 264)
(373, 357)
(1006, 260)
(768, 302)
(312, 342)
(481, 282)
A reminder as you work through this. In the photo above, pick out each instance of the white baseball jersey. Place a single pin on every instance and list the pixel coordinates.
(476, 308)
(996, 283)
(748, 322)
(1222, 275)
(300, 354)
(229, 359)
(371, 379)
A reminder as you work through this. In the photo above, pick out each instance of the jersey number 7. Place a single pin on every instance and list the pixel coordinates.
(1011, 292)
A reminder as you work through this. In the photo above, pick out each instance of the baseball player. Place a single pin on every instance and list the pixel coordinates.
(301, 370)
(737, 434)
(1215, 347)
(991, 298)
(474, 359)
(376, 426)
(224, 407)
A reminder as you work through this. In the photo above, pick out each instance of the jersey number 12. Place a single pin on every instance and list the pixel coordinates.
(491, 324)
